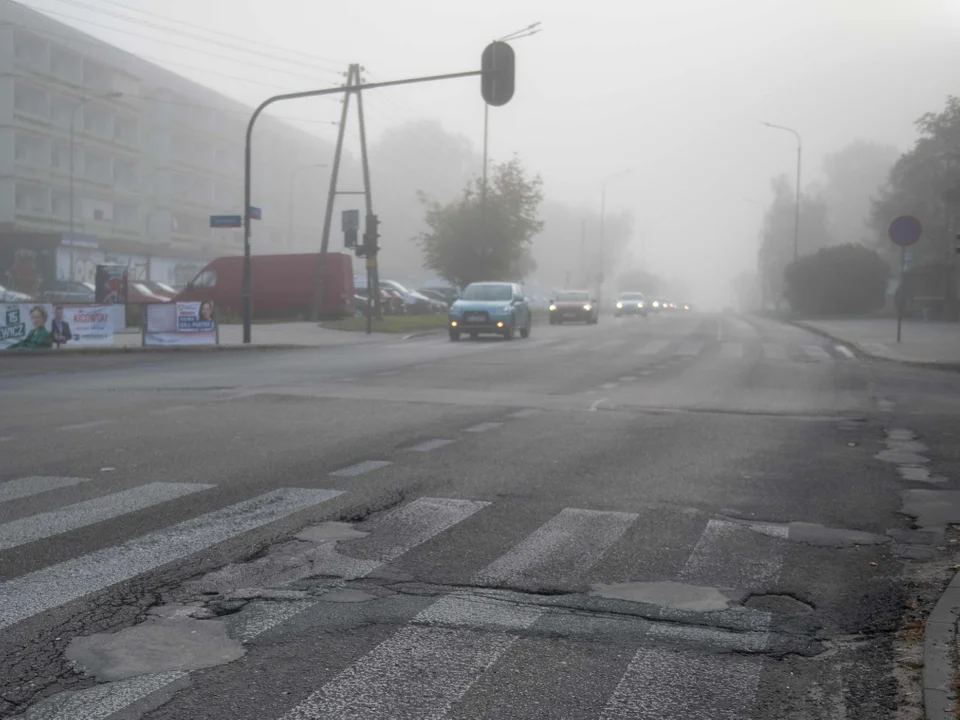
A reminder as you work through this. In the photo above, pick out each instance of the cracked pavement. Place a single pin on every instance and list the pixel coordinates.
(684, 516)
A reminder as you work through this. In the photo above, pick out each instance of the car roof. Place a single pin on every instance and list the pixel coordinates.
(490, 283)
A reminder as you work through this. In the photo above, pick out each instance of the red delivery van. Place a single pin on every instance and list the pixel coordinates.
(283, 285)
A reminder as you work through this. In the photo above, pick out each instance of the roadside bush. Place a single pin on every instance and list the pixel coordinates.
(841, 280)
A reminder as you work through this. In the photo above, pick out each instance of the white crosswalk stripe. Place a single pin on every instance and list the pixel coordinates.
(31, 594)
(653, 347)
(89, 512)
(25, 487)
(845, 351)
(816, 352)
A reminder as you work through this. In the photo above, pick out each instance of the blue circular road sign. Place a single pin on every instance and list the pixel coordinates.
(905, 230)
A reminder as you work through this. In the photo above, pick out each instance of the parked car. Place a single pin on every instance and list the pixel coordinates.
(13, 296)
(631, 303)
(446, 295)
(414, 303)
(70, 291)
(497, 308)
(138, 292)
(159, 288)
(574, 306)
(283, 285)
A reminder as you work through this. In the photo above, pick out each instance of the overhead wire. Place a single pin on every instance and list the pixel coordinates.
(180, 33)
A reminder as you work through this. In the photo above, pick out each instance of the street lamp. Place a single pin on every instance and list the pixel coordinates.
(293, 179)
(603, 210)
(516, 35)
(796, 219)
(73, 121)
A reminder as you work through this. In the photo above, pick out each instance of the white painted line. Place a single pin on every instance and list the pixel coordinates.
(731, 350)
(845, 351)
(429, 445)
(609, 385)
(56, 585)
(646, 372)
(525, 413)
(360, 468)
(483, 427)
(87, 425)
(25, 487)
(172, 409)
(5, 438)
(653, 347)
(479, 612)
(627, 379)
(420, 672)
(661, 683)
(102, 701)
(816, 352)
(573, 540)
(258, 618)
(415, 523)
(690, 349)
(44, 525)
(774, 352)
(723, 557)
(596, 404)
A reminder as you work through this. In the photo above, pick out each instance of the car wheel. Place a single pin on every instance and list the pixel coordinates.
(525, 332)
(454, 336)
(508, 332)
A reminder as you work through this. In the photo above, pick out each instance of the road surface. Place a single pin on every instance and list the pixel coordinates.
(688, 516)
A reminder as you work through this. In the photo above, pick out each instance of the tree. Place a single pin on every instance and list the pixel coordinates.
(854, 176)
(846, 279)
(470, 240)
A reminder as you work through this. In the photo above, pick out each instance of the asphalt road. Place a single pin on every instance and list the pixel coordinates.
(680, 517)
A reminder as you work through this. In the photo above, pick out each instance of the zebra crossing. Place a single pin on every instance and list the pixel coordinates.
(724, 350)
(456, 640)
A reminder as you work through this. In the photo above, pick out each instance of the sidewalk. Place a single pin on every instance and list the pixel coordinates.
(924, 343)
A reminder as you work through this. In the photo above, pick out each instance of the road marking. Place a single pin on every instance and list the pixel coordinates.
(661, 683)
(25, 487)
(6, 438)
(653, 347)
(718, 558)
(609, 385)
(360, 468)
(56, 585)
(646, 372)
(690, 349)
(596, 404)
(483, 427)
(627, 379)
(845, 351)
(86, 425)
(525, 413)
(44, 525)
(574, 538)
(774, 352)
(172, 409)
(816, 352)
(731, 350)
(429, 445)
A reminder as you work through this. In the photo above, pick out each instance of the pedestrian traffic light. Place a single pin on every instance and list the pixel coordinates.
(498, 64)
(350, 219)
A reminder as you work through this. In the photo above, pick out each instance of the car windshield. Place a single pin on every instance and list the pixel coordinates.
(573, 297)
(631, 296)
(488, 292)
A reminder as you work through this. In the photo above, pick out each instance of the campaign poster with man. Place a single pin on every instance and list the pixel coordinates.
(41, 326)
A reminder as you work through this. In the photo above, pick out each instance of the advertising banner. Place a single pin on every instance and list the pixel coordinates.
(35, 326)
(182, 323)
(111, 284)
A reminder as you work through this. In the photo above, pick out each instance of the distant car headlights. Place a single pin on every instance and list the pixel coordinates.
(656, 303)
(639, 304)
(553, 308)
(587, 307)
(619, 306)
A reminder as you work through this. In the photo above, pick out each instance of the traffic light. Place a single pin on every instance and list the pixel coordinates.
(350, 220)
(370, 236)
(499, 66)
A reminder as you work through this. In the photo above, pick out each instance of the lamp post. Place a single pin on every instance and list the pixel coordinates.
(796, 218)
(73, 119)
(603, 210)
(293, 179)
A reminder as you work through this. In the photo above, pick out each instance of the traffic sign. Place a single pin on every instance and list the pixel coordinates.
(226, 221)
(905, 230)
(256, 213)
(350, 219)
(907, 259)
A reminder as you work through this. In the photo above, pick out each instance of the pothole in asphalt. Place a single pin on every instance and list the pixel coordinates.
(180, 643)
(779, 604)
(677, 596)
(815, 534)
(920, 474)
(932, 509)
(329, 532)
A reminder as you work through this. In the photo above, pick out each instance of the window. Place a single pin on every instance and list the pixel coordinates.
(60, 155)
(30, 198)
(28, 150)
(30, 99)
(573, 297)
(61, 204)
(66, 65)
(97, 166)
(125, 129)
(97, 120)
(30, 51)
(488, 292)
(61, 111)
(126, 174)
(206, 279)
(97, 76)
(127, 215)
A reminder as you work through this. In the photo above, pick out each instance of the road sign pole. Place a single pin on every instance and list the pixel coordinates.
(902, 294)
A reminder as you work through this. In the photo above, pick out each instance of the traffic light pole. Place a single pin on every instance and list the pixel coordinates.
(247, 290)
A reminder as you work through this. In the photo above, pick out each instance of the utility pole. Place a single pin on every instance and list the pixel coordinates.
(373, 278)
(583, 248)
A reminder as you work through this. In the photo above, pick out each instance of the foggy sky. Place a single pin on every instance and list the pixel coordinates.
(674, 91)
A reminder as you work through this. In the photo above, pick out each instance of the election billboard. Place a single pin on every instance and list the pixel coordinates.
(37, 326)
(181, 323)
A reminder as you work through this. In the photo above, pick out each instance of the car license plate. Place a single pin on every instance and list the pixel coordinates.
(570, 315)
(474, 319)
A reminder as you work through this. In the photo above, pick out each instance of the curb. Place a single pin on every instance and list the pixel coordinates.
(423, 333)
(939, 642)
(860, 350)
(156, 349)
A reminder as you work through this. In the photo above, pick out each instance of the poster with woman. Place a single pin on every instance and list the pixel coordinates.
(182, 323)
(26, 327)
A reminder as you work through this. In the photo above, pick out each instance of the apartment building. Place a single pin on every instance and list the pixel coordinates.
(154, 156)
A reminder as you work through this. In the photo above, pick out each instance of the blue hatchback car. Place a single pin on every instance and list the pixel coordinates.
(496, 308)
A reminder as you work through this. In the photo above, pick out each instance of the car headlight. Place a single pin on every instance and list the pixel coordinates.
(639, 305)
(656, 304)
(619, 305)
(552, 308)
(587, 307)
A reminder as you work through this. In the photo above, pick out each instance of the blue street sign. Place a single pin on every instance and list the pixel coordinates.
(226, 221)
(905, 230)
(255, 213)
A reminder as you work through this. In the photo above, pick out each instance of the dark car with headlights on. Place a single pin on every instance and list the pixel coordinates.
(497, 308)
(631, 303)
(574, 306)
